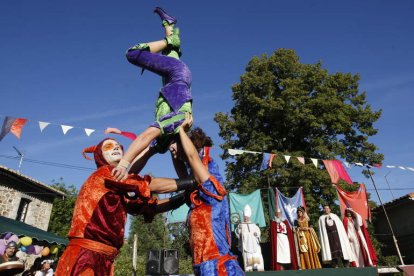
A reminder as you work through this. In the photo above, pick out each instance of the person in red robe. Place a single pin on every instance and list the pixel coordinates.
(359, 239)
(283, 244)
(99, 217)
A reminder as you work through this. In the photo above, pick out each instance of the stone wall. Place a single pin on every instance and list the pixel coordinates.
(38, 213)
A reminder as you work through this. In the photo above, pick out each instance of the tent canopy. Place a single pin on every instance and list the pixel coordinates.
(23, 229)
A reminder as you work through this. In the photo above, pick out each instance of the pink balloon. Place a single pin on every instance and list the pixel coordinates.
(38, 249)
(2, 248)
(13, 238)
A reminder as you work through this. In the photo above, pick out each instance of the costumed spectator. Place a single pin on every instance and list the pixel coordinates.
(248, 234)
(97, 229)
(283, 244)
(208, 219)
(10, 253)
(45, 269)
(174, 99)
(10, 264)
(307, 241)
(359, 239)
(334, 240)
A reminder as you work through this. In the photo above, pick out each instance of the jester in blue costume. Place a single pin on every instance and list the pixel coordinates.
(208, 218)
(162, 58)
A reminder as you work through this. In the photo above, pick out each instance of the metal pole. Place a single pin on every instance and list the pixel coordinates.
(21, 157)
(386, 180)
(134, 255)
(388, 220)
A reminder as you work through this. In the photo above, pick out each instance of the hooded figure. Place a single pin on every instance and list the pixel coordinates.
(99, 217)
(248, 234)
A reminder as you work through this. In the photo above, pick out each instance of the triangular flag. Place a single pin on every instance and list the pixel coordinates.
(359, 164)
(13, 125)
(89, 131)
(43, 125)
(234, 151)
(65, 128)
(401, 167)
(390, 167)
(347, 165)
(287, 158)
(17, 127)
(315, 162)
(301, 160)
(411, 169)
(267, 161)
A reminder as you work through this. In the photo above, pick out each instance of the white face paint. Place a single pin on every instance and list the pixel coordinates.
(112, 152)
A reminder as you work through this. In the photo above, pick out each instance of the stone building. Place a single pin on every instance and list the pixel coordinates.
(25, 199)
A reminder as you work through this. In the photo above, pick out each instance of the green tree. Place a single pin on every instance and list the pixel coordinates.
(62, 211)
(152, 235)
(301, 110)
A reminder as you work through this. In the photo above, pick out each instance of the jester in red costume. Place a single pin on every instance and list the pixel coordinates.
(208, 218)
(99, 217)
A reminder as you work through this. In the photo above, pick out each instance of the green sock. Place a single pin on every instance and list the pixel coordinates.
(173, 47)
(140, 46)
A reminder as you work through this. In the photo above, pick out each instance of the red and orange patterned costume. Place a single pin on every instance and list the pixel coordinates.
(97, 230)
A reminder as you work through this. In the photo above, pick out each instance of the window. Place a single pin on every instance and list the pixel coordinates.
(23, 206)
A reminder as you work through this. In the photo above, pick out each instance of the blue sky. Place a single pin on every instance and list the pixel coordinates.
(63, 62)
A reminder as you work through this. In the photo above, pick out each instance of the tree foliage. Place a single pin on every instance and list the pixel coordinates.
(62, 211)
(152, 235)
(289, 108)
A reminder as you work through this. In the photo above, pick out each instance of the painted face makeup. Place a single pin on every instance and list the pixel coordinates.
(112, 152)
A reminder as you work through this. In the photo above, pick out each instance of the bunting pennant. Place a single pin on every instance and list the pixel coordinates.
(267, 161)
(287, 158)
(336, 171)
(13, 125)
(89, 131)
(357, 200)
(235, 151)
(315, 162)
(301, 160)
(43, 125)
(289, 205)
(238, 202)
(65, 128)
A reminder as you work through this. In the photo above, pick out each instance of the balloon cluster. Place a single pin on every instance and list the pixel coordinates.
(26, 245)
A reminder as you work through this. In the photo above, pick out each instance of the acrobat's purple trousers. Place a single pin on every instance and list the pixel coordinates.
(176, 74)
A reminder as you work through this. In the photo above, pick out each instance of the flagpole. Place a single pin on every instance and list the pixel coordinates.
(388, 219)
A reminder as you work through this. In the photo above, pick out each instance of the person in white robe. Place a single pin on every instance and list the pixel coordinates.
(334, 240)
(248, 234)
(360, 245)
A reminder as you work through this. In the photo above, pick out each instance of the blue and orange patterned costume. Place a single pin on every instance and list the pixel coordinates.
(209, 226)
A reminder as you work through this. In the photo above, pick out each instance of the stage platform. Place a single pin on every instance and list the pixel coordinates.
(367, 271)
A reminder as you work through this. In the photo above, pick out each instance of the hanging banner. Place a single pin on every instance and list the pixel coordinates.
(357, 200)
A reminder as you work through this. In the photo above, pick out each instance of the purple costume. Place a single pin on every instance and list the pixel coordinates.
(177, 76)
